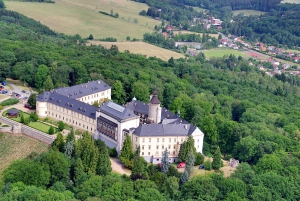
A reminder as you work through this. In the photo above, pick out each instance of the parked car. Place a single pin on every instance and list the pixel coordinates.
(27, 105)
(27, 92)
(3, 83)
(201, 167)
(181, 165)
(10, 93)
(23, 91)
(4, 92)
(1, 87)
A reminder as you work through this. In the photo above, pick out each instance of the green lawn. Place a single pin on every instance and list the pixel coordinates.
(247, 12)
(39, 126)
(220, 52)
(36, 125)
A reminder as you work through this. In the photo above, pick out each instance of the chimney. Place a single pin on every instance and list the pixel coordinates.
(85, 86)
(185, 126)
(99, 82)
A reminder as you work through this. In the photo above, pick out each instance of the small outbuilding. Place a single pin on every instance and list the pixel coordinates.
(13, 113)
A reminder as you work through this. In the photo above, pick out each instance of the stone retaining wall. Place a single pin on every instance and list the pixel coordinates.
(26, 130)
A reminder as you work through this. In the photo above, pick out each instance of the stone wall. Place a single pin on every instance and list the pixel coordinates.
(17, 128)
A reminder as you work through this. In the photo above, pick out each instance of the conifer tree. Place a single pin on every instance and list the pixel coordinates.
(71, 136)
(190, 161)
(138, 164)
(88, 152)
(51, 130)
(165, 161)
(22, 118)
(184, 177)
(69, 149)
(181, 154)
(59, 143)
(127, 152)
(78, 169)
(217, 160)
(104, 164)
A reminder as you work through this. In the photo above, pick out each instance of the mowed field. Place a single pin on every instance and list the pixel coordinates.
(247, 12)
(141, 48)
(220, 52)
(190, 32)
(291, 1)
(14, 147)
(82, 17)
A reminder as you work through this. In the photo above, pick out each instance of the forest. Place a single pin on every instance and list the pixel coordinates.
(279, 27)
(243, 112)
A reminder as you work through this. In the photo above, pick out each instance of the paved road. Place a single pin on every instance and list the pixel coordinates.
(118, 167)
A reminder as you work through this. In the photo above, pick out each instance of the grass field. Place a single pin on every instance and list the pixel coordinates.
(291, 1)
(247, 12)
(226, 169)
(220, 52)
(141, 48)
(37, 125)
(199, 9)
(14, 147)
(83, 17)
(190, 32)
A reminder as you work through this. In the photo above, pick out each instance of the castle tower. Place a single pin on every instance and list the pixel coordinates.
(154, 114)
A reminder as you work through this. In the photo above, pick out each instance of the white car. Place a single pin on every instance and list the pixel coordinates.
(10, 93)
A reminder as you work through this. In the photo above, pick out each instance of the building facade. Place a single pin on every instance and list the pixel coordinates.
(150, 126)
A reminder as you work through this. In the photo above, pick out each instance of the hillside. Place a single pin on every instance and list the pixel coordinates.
(83, 17)
(14, 147)
(141, 48)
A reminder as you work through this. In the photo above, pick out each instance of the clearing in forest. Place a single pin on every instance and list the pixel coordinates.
(82, 17)
(247, 12)
(13, 147)
(220, 52)
(141, 48)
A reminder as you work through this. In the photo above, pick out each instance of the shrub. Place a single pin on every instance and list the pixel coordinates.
(61, 125)
(10, 101)
(113, 152)
(26, 121)
(207, 165)
(5, 125)
(199, 159)
(51, 130)
(33, 116)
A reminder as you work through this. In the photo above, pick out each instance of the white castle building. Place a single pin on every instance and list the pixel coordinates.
(150, 126)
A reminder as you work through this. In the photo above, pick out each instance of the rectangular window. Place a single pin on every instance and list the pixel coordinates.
(173, 152)
(163, 140)
(170, 139)
(157, 139)
(198, 140)
(157, 147)
(149, 153)
(157, 159)
(143, 147)
(181, 139)
(149, 147)
(174, 139)
(174, 146)
(169, 147)
(143, 139)
(45, 112)
(142, 153)
(163, 147)
(149, 139)
(136, 139)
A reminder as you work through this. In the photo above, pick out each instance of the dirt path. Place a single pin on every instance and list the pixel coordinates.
(118, 167)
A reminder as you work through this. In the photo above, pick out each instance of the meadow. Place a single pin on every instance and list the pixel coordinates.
(247, 12)
(82, 17)
(291, 1)
(190, 32)
(13, 147)
(220, 52)
(141, 48)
